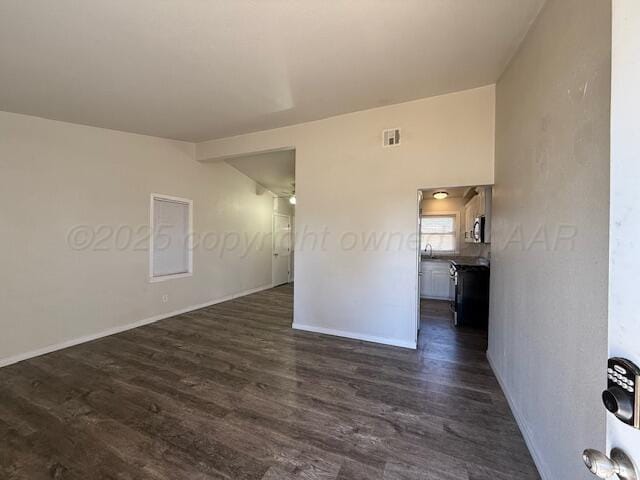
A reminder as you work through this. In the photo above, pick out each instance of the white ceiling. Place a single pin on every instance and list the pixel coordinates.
(276, 171)
(202, 69)
(454, 192)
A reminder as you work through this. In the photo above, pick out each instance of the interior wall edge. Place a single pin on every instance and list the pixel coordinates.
(548, 308)
(522, 424)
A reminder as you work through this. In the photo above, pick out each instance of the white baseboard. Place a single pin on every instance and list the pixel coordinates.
(355, 336)
(424, 297)
(122, 328)
(522, 424)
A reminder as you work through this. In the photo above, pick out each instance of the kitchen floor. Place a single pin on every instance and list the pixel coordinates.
(232, 392)
(439, 337)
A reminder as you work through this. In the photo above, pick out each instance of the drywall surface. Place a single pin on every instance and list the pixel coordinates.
(283, 205)
(624, 325)
(548, 323)
(74, 219)
(356, 212)
(199, 69)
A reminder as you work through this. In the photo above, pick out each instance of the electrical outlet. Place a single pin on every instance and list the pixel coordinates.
(165, 298)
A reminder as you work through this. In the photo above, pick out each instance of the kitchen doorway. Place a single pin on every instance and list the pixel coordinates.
(454, 257)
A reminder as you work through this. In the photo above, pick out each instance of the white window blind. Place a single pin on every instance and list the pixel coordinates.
(170, 229)
(439, 231)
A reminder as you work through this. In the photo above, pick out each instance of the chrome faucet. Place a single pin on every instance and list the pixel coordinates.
(430, 248)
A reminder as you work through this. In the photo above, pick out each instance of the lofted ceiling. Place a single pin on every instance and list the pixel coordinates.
(201, 69)
(275, 171)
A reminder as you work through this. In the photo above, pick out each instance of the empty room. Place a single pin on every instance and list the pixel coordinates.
(319, 239)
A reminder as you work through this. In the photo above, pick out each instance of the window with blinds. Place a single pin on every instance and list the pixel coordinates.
(170, 249)
(439, 231)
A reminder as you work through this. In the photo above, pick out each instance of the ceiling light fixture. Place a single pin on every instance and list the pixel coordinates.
(292, 199)
(440, 195)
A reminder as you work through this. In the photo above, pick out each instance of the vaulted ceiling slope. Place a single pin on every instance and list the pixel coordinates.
(275, 171)
(197, 70)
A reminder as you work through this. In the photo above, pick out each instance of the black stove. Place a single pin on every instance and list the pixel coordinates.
(470, 284)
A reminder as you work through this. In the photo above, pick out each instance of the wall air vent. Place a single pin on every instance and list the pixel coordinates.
(391, 137)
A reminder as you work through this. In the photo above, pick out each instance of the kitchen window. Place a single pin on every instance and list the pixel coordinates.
(439, 231)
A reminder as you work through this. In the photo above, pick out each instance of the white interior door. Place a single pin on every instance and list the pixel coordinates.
(624, 231)
(281, 258)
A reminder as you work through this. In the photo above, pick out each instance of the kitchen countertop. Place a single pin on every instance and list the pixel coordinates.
(461, 259)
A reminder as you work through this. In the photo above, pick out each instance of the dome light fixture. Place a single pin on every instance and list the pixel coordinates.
(440, 195)
(292, 199)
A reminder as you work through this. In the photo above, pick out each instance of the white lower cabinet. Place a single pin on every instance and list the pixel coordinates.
(435, 280)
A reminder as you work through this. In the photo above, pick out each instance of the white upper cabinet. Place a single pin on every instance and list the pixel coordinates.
(478, 205)
(471, 211)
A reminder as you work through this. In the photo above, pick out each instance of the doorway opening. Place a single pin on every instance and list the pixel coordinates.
(274, 175)
(454, 264)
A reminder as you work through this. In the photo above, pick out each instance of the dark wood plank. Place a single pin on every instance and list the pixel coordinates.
(232, 392)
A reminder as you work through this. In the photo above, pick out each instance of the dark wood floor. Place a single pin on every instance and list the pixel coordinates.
(232, 392)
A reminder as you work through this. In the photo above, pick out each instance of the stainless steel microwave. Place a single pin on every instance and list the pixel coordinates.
(479, 226)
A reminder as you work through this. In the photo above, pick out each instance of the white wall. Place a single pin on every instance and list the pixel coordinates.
(283, 206)
(346, 182)
(624, 301)
(450, 204)
(54, 176)
(548, 318)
